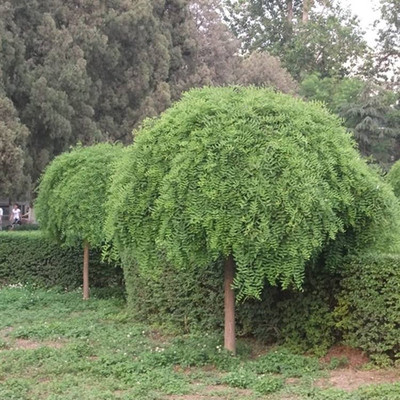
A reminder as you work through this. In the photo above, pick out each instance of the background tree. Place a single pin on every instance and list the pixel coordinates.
(88, 70)
(218, 59)
(368, 110)
(259, 179)
(70, 205)
(13, 135)
(388, 43)
(263, 70)
(325, 39)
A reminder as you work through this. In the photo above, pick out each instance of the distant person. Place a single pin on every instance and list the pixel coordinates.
(1, 218)
(29, 215)
(15, 216)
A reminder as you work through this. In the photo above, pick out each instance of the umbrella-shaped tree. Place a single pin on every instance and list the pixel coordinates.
(71, 201)
(260, 179)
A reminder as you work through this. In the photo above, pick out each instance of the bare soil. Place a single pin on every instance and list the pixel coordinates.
(355, 357)
(352, 376)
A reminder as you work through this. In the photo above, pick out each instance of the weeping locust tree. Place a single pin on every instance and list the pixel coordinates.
(261, 180)
(71, 201)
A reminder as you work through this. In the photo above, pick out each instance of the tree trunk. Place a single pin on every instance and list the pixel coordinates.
(85, 270)
(229, 335)
(290, 11)
(307, 4)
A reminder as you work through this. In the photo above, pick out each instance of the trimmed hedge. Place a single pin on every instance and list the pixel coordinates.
(31, 258)
(368, 310)
(361, 306)
(192, 300)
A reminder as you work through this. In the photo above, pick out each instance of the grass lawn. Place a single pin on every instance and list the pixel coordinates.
(55, 346)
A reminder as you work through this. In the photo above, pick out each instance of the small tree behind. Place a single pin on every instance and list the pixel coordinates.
(259, 179)
(71, 201)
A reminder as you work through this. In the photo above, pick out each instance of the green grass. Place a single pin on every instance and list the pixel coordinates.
(55, 346)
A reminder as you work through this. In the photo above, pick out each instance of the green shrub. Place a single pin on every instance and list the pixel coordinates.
(368, 310)
(26, 227)
(29, 257)
(192, 300)
(302, 321)
(241, 378)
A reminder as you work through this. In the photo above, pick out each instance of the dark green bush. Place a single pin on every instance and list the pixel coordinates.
(26, 227)
(29, 257)
(192, 300)
(368, 310)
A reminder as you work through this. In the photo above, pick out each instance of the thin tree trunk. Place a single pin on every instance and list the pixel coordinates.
(290, 11)
(307, 4)
(229, 335)
(85, 270)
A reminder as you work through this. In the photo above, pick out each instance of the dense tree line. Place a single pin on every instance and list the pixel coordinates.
(91, 70)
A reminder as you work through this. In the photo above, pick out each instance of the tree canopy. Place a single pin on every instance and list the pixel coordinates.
(71, 201)
(248, 173)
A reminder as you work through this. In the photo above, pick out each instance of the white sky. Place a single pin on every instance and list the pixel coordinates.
(368, 12)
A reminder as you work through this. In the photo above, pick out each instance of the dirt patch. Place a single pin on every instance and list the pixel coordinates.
(27, 344)
(351, 379)
(192, 397)
(6, 331)
(292, 381)
(354, 358)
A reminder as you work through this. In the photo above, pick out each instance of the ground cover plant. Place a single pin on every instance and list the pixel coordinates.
(54, 346)
(260, 181)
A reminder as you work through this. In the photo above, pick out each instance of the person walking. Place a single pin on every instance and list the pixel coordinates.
(15, 216)
(1, 218)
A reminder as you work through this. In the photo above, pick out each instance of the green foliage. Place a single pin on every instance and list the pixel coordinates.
(71, 202)
(26, 227)
(285, 363)
(189, 301)
(31, 258)
(192, 301)
(245, 171)
(244, 378)
(393, 177)
(367, 313)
